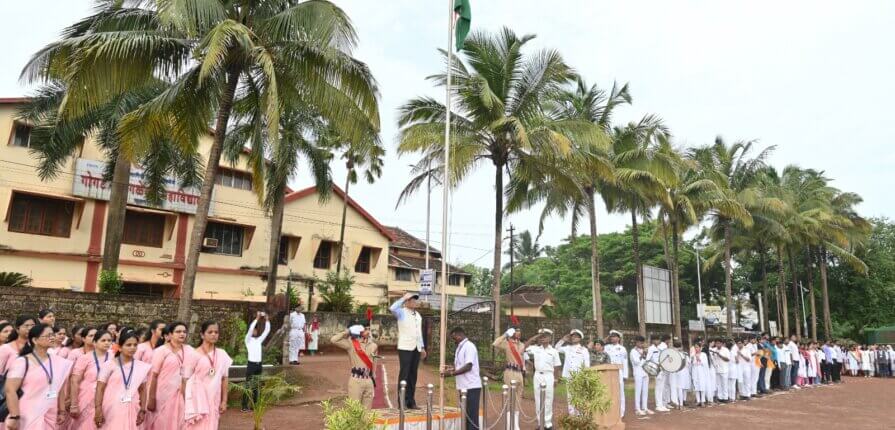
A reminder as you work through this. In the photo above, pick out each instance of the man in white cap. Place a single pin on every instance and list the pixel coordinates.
(577, 358)
(618, 355)
(546, 360)
(361, 350)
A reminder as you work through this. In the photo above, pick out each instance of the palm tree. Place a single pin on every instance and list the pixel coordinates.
(367, 153)
(571, 189)
(498, 117)
(57, 139)
(212, 52)
(642, 168)
(736, 175)
(526, 250)
(299, 137)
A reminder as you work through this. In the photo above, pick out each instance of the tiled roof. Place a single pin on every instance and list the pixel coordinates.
(527, 295)
(295, 195)
(419, 263)
(406, 240)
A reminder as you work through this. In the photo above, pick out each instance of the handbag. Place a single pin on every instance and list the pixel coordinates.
(4, 409)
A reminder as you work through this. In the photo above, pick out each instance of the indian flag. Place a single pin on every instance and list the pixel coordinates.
(463, 17)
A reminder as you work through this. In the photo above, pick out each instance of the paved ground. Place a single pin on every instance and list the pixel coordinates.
(856, 404)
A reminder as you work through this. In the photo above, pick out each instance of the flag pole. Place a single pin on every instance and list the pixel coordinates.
(444, 209)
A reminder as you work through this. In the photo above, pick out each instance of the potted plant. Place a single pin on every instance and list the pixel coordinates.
(590, 396)
(351, 416)
(271, 389)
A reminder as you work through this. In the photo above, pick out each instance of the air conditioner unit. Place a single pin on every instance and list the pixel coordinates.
(210, 242)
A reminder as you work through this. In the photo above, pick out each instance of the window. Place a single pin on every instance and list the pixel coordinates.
(363, 260)
(454, 280)
(229, 238)
(283, 256)
(324, 255)
(403, 275)
(21, 135)
(141, 228)
(41, 215)
(234, 179)
(146, 290)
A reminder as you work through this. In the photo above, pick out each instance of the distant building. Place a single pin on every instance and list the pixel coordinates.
(407, 258)
(527, 301)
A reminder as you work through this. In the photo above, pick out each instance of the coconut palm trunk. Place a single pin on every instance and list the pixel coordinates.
(809, 269)
(828, 323)
(201, 220)
(782, 288)
(795, 291)
(728, 279)
(344, 216)
(638, 279)
(117, 211)
(595, 261)
(675, 281)
(498, 241)
(273, 260)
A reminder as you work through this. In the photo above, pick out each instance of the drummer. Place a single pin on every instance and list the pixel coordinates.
(641, 378)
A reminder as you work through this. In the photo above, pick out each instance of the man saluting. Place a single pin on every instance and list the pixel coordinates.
(361, 350)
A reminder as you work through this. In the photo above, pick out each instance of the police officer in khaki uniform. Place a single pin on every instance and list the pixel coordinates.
(361, 351)
(513, 349)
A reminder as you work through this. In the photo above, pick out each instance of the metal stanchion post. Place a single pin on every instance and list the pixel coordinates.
(506, 398)
(485, 402)
(462, 409)
(513, 404)
(401, 393)
(429, 394)
(542, 412)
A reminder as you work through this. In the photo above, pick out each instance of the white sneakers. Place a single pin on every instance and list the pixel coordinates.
(640, 413)
(649, 412)
(662, 409)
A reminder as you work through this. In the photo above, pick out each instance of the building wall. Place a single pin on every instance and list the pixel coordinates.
(73, 262)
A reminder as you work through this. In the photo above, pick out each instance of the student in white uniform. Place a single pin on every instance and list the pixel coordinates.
(683, 378)
(734, 375)
(784, 362)
(670, 397)
(721, 360)
(652, 354)
(641, 378)
(546, 360)
(577, 357)
(296, 334)
(699, 367)
(744, 364)
(618, 355)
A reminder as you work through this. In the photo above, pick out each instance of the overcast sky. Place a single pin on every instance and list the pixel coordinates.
(813, 78)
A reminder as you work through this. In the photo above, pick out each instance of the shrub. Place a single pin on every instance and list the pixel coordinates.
(588, 394)
(271, 389)
(572, 422)
(336, 293)
(14, 279)
(351, 416)
(110, 282)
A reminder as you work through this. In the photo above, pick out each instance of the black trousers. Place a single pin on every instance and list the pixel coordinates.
(827, 371)
(473, 399)
(794, 376)
(775, 377)
(410, 364)
(837, 371)
(253, 371)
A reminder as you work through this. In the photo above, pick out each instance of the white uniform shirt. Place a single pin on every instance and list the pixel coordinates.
(838, 355)
(618, 355)
(793, 351)
(721, 366)
(735, 361)
(410, 327)
(254, 345)
(783, 355)
(466, 354)
(545, 358)
(297, 321)
(637, 360)
(577, 358)
(652, 353)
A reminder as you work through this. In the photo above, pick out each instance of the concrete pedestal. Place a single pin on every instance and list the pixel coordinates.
(610, 375)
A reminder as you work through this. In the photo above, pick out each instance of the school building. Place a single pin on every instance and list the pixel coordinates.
(53, 231)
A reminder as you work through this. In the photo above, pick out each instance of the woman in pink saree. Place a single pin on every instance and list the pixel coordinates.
(150, 342)
(17, 339)
(121, 388)
(172, 365)
(206, 395)
(43, 380)
(87, 334)
(83, 383)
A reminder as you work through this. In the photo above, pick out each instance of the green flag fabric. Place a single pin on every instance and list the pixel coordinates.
(464, 17)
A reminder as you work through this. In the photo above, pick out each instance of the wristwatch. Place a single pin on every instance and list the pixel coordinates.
(12, 417)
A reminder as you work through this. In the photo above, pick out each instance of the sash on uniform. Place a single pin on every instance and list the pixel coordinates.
(364, 357)
(515, 353)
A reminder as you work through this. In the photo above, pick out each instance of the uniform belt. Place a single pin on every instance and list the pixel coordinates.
(545, 372)
(515, 368)
(360, 373)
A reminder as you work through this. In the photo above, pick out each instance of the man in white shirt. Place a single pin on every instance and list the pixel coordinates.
(254, 342)
(641, 378)
(784, 363)
(721, 362)
(734, 370)
(577, 358)
(546, 360)
(618, 355)
(652, 354)
(466, 372)
(838, 359)
(411, 348)
(794, 356)
(296, 334)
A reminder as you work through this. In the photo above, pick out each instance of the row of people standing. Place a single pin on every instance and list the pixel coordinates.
(870, 361)
(110, 378)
